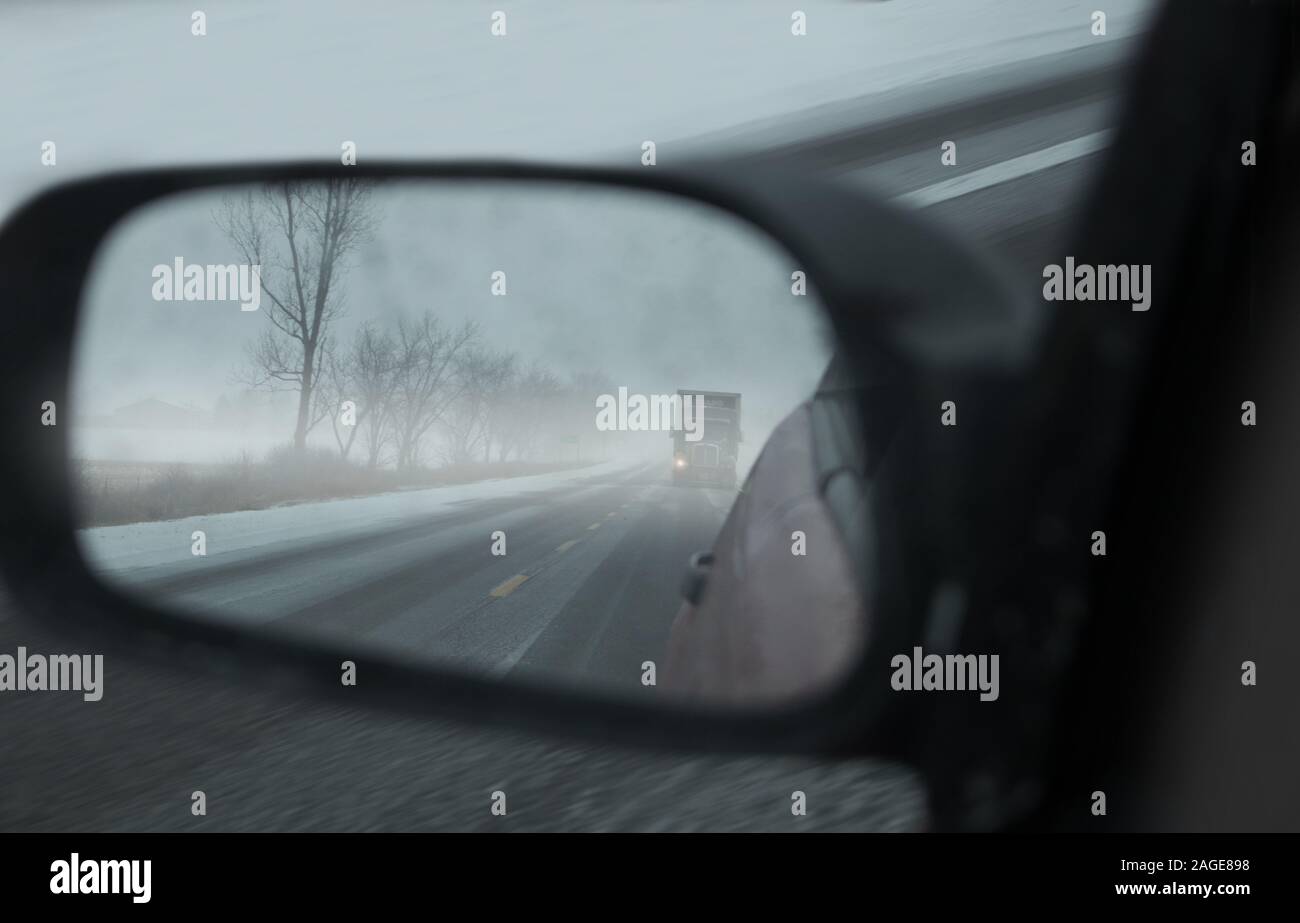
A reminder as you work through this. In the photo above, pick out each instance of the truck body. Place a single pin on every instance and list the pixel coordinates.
(712, 458)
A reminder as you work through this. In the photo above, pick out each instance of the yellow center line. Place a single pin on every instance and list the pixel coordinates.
(567, 545)
(594, 525)
(505, 589)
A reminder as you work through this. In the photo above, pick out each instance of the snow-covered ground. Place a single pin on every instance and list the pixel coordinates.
(230, 535)
(126, 84)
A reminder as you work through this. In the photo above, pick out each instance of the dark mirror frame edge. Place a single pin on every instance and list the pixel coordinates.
(858, 253)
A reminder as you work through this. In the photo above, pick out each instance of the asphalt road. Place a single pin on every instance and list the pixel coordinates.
(270, 759)
(584, 593)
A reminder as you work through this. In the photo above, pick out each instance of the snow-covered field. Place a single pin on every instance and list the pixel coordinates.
(571, 79)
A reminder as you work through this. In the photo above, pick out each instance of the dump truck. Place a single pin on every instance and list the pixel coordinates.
(710, 458)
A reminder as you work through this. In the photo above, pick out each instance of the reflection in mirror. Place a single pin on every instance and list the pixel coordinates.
(555, 431)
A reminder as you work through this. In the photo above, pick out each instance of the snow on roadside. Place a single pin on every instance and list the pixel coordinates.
(148, 544)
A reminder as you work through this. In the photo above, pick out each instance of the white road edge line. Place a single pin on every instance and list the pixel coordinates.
(1005, 171)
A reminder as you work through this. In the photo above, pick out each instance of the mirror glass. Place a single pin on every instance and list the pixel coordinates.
(507, 427)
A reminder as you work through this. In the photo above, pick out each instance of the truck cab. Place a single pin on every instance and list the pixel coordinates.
(710, 459)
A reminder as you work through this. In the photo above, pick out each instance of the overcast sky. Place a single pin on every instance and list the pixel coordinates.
(656, 292)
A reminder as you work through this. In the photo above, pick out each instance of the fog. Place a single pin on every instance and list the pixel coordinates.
(634, 289)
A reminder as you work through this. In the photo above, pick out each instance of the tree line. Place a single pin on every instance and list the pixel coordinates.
(420, 391)
(406, 393)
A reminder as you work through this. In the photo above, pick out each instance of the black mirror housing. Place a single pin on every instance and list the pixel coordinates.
(915, 313)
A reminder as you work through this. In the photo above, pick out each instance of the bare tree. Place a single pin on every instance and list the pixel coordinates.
(300, 234)
(484, 377)
(365, 375)
(425, 382)
(525, 409)
(333, 389)
(374, 368)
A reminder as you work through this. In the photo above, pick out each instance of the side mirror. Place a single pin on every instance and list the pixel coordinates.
(389, 428)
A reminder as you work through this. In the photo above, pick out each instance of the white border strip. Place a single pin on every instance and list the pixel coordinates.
(1006, 171)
